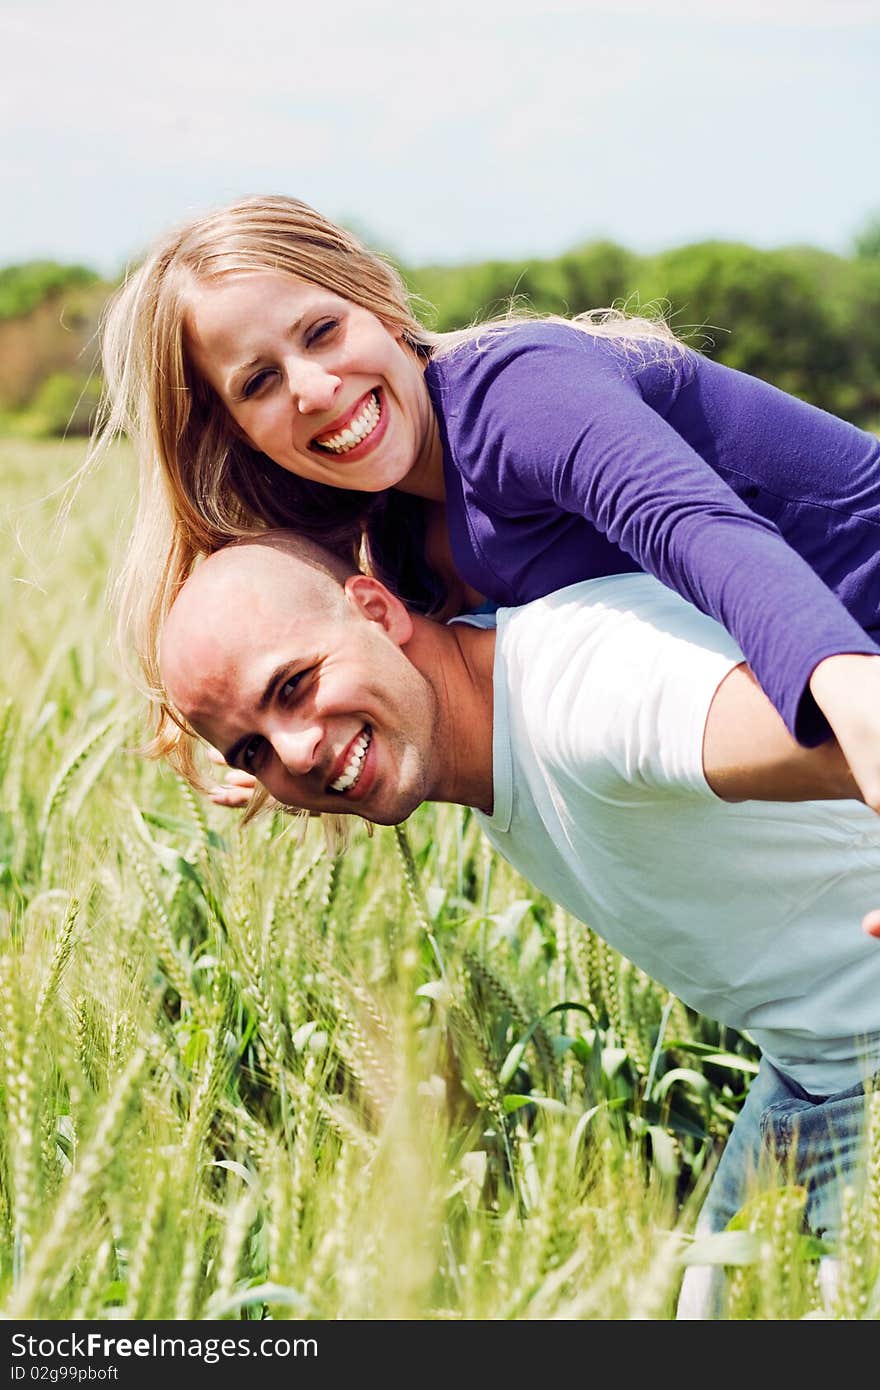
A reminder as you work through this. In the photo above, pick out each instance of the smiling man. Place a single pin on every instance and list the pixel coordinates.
(325, 688)
(620, 756)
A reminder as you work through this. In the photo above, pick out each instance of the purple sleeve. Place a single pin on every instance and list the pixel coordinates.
(560, 429)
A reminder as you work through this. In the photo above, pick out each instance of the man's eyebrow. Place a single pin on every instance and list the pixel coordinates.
(268, 692)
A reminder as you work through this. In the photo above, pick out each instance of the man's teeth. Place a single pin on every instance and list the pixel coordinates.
(350, 775)
(356, 430)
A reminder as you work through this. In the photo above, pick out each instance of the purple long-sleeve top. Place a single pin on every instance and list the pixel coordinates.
(568, 456)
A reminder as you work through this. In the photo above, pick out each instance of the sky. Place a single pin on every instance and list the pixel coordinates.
(445, 132)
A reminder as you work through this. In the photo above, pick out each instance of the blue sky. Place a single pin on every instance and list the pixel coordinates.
(447, 132)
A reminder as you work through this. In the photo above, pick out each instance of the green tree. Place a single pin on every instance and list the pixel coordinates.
(23, 287)
(867, 242)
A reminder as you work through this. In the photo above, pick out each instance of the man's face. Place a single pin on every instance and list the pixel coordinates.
(304, 684)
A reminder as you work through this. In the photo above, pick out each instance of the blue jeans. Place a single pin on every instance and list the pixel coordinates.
(818, 1141)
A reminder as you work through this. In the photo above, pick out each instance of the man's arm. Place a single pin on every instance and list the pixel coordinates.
(749, 755)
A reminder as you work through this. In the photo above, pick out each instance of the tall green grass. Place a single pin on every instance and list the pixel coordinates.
(241, 1078)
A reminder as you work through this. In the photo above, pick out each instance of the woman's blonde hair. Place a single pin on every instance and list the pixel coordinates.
(200, 484)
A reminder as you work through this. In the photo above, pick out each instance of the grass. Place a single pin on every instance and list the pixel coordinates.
(243, 1079)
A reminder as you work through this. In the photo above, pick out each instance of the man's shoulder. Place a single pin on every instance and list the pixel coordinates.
(613, 676)
(614, 607)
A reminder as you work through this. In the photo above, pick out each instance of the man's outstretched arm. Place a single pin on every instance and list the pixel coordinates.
(749, 755)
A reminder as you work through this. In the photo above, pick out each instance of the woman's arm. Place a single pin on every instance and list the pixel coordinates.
(561, 423)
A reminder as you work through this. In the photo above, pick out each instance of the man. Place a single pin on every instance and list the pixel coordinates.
(620, 756)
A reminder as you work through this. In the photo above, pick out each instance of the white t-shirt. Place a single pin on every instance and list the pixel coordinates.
(749, 912)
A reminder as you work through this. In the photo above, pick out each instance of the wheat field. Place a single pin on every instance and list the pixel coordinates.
(245, 1078)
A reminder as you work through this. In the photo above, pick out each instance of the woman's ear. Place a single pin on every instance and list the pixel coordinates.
(397, 330)
(370, 598)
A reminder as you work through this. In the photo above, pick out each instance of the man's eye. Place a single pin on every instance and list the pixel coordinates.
(292, 684)
(321, 330)
(251, 754)
(255, 384)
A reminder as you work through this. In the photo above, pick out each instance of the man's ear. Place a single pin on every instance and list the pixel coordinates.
(373, 601)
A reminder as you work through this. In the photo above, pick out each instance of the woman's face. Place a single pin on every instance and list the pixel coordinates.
(317, 383)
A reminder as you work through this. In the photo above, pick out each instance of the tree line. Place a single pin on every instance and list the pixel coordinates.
(804, 319)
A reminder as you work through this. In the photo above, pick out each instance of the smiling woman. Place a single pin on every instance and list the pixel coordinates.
(203, 478)
(272, 372)
(316, 383)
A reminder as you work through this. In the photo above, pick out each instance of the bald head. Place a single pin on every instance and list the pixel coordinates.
(268, 558)
(272, 574)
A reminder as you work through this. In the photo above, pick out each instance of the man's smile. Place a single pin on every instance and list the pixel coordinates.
(351, 765)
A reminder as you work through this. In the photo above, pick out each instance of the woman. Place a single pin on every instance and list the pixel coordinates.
(270, 371)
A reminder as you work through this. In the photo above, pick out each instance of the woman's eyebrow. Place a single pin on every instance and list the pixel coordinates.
(234, 378)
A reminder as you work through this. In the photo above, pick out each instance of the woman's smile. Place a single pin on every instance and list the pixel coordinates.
(356, 432)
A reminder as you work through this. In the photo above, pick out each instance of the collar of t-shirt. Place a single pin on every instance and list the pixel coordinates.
(502, 760)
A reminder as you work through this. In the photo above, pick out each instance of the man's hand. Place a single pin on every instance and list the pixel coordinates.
(847, 690)
(237, 787)
(871, 923)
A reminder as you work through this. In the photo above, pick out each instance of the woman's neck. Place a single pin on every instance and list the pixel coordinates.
(425, 478)
(460, 597)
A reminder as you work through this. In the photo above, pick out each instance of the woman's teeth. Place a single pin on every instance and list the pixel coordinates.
(356, 430)
(350, 775)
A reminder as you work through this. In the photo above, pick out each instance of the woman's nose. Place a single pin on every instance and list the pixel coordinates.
(313, 388)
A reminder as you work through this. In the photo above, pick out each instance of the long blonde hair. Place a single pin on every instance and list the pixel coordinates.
(200, 484)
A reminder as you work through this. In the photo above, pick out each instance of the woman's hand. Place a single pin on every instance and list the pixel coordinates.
(847, 690)
(237, 787)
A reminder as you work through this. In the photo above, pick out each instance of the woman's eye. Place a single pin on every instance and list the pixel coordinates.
(321, 330)
(256, 383)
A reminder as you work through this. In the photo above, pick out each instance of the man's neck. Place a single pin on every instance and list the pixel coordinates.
(458, 662)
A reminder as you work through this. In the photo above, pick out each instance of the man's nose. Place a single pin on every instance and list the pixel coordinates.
(313, 388)
(297, 749)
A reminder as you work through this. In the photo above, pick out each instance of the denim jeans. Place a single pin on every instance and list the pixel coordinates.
(816, 1142)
